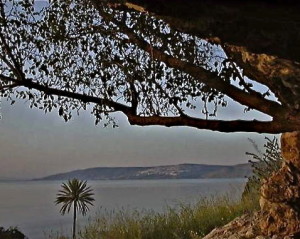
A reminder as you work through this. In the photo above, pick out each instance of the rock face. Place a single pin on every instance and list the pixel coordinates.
(235, 229)
(279, 217)
(280, 194)
(244, 227)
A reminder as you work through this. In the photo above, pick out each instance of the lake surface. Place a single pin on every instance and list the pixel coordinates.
(29, 205)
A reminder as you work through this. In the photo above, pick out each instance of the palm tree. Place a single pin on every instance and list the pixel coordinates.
(75, 192)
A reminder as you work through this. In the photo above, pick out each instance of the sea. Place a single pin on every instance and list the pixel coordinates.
(29, 205)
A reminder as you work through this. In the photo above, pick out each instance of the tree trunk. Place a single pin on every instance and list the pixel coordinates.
(74, 221)
(280, 194)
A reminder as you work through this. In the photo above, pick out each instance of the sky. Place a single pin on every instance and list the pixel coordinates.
(34, 144)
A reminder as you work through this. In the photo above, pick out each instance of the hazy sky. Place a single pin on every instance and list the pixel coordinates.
(33, 144)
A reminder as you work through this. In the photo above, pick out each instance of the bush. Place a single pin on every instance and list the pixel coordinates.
(264, 164)
(11, 233)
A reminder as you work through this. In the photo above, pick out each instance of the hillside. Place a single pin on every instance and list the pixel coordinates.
(181, 171)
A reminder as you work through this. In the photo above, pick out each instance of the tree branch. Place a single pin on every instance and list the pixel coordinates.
(215, 125)
(211, 79)
(16, 68)
(84, 98)
(12, 68)
(271, 127)
(134, 96)
(4, 87)
(280, 75)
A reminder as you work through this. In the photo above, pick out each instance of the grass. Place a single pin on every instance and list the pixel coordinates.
(184, 222)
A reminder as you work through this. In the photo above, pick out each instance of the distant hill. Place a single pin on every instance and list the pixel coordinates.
(181, 171)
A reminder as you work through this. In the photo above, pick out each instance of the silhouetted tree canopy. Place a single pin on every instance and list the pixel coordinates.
(157, 68)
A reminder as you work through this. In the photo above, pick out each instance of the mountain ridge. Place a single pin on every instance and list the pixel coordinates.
(178, 171)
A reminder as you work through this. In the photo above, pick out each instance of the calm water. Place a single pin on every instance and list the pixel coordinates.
(30, 207)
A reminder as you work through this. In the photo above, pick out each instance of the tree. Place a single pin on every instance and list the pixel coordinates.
(149, 61)
(76, 194)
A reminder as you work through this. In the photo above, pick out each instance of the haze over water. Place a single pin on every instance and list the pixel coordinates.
(29, 205)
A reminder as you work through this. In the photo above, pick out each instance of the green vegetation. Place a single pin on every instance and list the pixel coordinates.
(186, 222)
(264, 164)
(76, 194)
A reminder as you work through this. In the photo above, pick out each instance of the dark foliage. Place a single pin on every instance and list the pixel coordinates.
(11, 233)
(264, 164)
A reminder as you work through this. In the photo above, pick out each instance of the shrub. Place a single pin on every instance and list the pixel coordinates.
(264, 164)
(11, 233)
